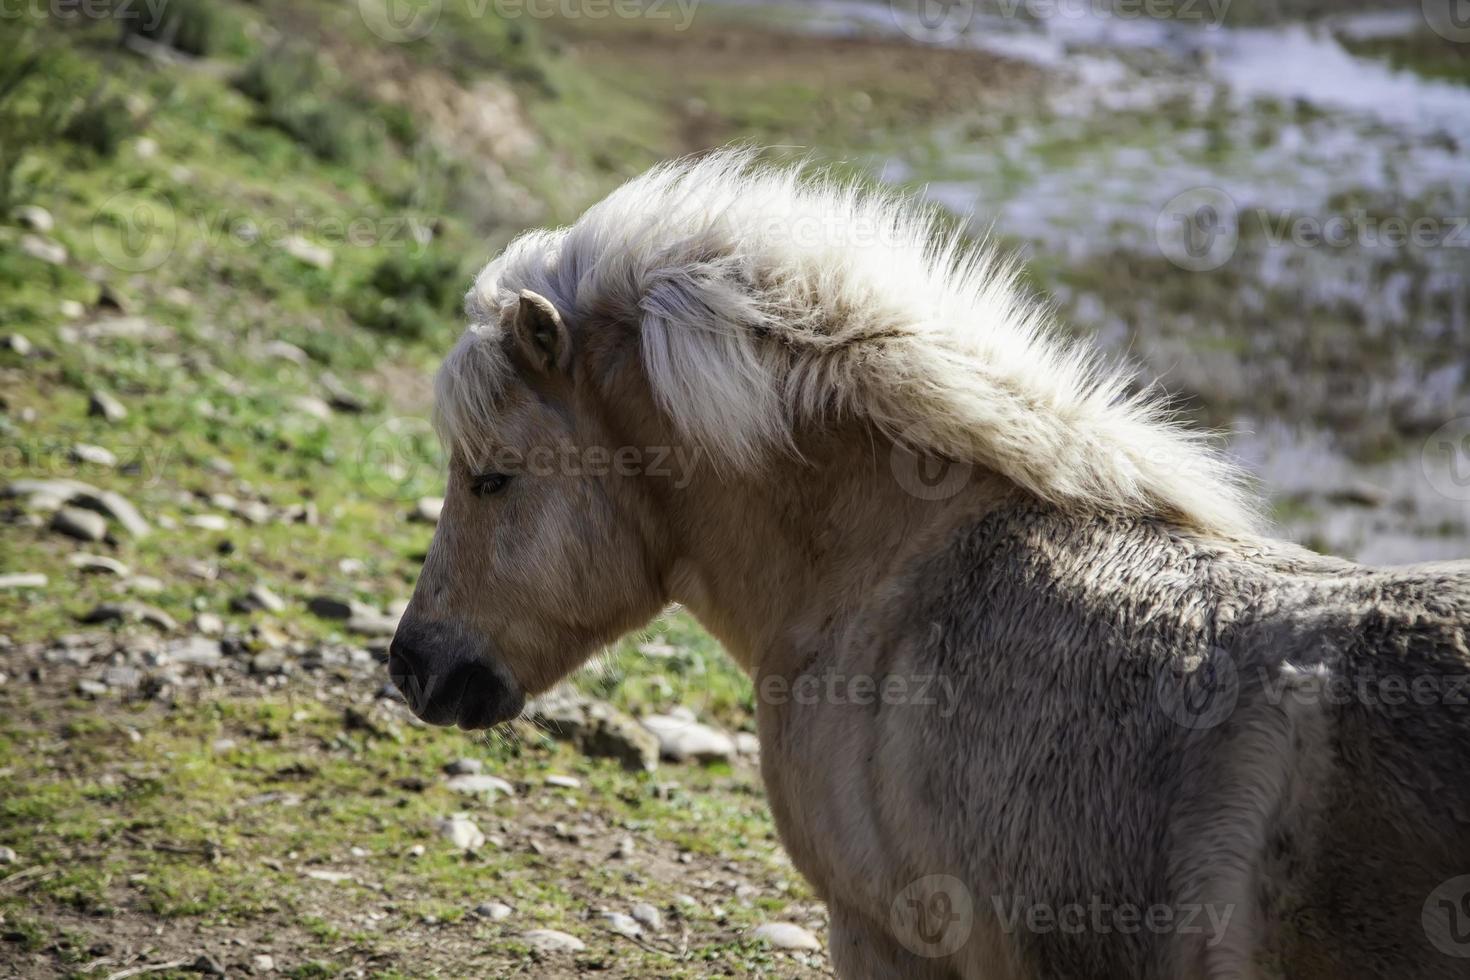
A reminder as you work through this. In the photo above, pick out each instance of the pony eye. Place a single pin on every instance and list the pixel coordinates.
(488, 484)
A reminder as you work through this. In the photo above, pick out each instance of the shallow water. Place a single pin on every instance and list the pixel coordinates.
(1226, 151)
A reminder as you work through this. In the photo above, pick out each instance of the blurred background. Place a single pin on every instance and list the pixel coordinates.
(233, 240)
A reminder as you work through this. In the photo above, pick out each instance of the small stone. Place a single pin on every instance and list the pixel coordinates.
(649, 916)
(142, 584)
(209, 624)
(563, 782)
(44, 249)
(464, 767)
(268, 662)
(426, 510)
(207, 965)
(681, 739)
(417, 851)
(196, 651)
(372, 624)
(102, 405)
(747, 744)
(123, 677)
(786, 935)
(259, 598)
(71, 309)
(97, 564)
(116, 506)
(322, 874)
(285, 351)
(342, 398)
(96, 455)
(623, 925)
(262, 963)
(626, 848)
(23, 580)
(313, 406)
(612, 734)
(475, 785)
(462, 832)
(332, 607)
(91, 688)
(18, 344)
(494, 911)
(84, 525)
(35, 217)
(547, 941)
(8, 856)
(307, 253)
(208, 522)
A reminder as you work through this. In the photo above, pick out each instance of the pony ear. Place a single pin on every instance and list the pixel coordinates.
(540, 334)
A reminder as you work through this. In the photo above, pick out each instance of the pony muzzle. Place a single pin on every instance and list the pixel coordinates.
(450, 686)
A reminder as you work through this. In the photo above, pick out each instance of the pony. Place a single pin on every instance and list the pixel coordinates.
(1037, 695)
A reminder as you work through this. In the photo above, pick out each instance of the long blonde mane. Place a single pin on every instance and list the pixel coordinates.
(769, 300)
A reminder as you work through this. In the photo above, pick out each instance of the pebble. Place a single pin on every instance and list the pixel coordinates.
(608, 733)
(472, 785)
(623, 925)
(332, 607)
(747, 744)
(313, 406)
(262, 963)
(123, 677)
(35, 217)
(464, 767)
(649, 916)
(84, 452)
(18, 344)
(462, 832)
(44, 249)
(23, 580)
(372, 624)
(307, 253)
(563, 782)
(118, 507)
(681, 738)
(97, 563)
(198, 651)
(427, 509)
(90, 688)
(84, 525)
(208, 522)
(552, 941)
(8, 856)
(209, 624)
(123, 612)
(786, 935)
(494, 911)
(104, 406)
(259, 598)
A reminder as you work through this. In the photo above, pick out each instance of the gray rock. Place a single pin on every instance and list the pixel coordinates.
(494, 911)
(681, 739)
(8, 856)
(91, 689)
(262, 963)
(23, 580)
(786, 935)
(546, 941)
(84, 452)
(426, 510)
(45, 249)
(116, 506)
(479, 784)
(623, 925)
(372, 624)
(313, 406)
(129, 612)
(563, 782)
(461, 831)
(198, 651)
(18, 345)
(464, 767)
(332, 607)
(747, 744)
(84, 525)
(35, 217)
(209, 624)
(649, 916)
(610, 734)
(259, 598)
(307, 253)
(102, 405)
(122, 677)
(268, 662)
(342, 398)
(97, 564)
(208, 522)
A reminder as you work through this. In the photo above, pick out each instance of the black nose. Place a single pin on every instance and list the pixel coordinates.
(451, 687)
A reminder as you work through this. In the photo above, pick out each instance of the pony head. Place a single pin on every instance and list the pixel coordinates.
(720, 315)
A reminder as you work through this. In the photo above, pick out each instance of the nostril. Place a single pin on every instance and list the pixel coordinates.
(401, 673)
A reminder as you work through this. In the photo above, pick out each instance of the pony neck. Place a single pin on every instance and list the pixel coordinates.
(775, 563)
